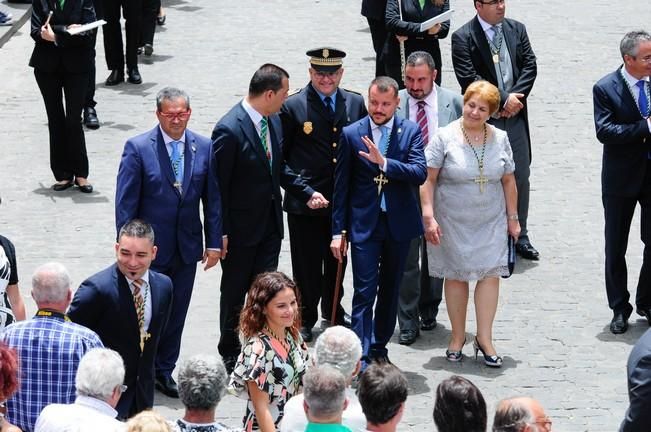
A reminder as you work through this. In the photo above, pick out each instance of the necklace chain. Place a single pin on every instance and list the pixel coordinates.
(480, 161)
(283, 341)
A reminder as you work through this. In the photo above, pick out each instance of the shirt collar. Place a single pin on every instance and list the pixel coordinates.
(96, 404)
(388, 124)
(168, 139)
(484, 25)
(631, 79)
(322, 96)
(430, 99)
(145, 277)
(256, 117)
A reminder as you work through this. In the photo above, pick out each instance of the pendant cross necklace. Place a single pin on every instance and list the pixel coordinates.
(481, 180)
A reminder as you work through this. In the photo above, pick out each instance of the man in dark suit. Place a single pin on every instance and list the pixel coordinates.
(128, 306)
(496, 49)
(164, 175)
(375, 201)
(374, 10)
(621, 116)
(431, 107)
(247, 143)
(113, 47)
(638, 369)
(312, 121)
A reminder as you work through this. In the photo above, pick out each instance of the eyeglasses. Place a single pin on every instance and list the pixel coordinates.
(646, 59)
(330, 75)
(183, 115)
(493, 2)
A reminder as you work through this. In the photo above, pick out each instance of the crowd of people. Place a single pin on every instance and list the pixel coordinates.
(428, 188)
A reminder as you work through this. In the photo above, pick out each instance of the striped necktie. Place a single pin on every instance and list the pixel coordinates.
(139, 302)
(264, 129)
(176, 158)
(642, 100)
(421, 119)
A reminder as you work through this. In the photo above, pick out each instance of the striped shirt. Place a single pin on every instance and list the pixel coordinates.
(49, 350)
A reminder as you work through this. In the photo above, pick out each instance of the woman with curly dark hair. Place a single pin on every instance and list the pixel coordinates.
(270, 368)
(8, 383)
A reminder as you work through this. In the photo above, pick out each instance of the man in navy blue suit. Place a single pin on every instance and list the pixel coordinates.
(164, 175)
(622, 106)
(128, 306)
(375, 202)
(247, 143)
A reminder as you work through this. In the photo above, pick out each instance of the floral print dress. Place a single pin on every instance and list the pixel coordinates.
(261, 361)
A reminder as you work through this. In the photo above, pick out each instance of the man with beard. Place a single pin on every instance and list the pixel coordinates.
(375, 201)
(431, 107)
(312, 122)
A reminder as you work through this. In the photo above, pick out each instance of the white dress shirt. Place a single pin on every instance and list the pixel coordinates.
(431, 111)
(87, 414)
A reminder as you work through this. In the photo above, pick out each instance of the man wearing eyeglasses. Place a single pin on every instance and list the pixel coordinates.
(496, 49)
(621, 116)
(521, 414)
(312, 121)
(164, 175)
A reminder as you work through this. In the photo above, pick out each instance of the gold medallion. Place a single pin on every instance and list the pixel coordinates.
(496, 58)
(307, 128)
(326, 53)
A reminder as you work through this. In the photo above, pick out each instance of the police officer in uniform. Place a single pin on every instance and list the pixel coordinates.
(312, 120)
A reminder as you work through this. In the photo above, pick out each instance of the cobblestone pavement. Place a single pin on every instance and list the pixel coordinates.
(552, 321)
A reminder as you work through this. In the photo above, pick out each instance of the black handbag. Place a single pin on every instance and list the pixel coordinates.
(511, 256)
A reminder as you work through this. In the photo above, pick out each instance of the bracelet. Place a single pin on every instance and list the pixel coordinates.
(512, 217)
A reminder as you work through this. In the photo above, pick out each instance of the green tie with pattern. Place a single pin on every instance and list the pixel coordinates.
(422, 4)
(61, 3)
(263, 138)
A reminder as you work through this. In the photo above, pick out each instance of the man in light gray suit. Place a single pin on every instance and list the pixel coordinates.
(638, 415)
(431, 107)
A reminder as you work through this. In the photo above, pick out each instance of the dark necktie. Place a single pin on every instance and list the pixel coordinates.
(642, 99)
(421, 119)
(328, 102)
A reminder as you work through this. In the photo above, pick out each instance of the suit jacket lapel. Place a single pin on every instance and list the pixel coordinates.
(315, 103)
(395, 138)
(276, 155)
(189, 154)
(479, 37)
(248, 128)
(126, 302)
(340, 107)
(163, 158)
(155, 305)
(511, 44)
(443, 107)
(620, 87)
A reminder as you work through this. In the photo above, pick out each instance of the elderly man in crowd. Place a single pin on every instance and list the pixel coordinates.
(99, 387)
(325, 399)
(339, 348)
(45, 340)
(521, 414)
(202, 383)
(382, 392)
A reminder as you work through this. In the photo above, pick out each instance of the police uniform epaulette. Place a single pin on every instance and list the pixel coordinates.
(293, 92)
(353, 91)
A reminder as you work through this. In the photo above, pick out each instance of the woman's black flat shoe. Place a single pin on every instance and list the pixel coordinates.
(87, 188)
(160, 20)
(58, 187)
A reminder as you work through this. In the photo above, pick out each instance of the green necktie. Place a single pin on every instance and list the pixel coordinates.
(263, 138)
(61, 3)
(422, 4)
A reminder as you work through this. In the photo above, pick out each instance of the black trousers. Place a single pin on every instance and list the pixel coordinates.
(241, 266)
(618, 213)
(314, 267)
(68, 156)
(149, 13)
(89, 101)
(113, 47)
(379, 36)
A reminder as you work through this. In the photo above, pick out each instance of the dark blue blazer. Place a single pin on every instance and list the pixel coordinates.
(624, 134)
(145, 190)
(250, 189)
(104, 304)
(638, 368)
(356, 205)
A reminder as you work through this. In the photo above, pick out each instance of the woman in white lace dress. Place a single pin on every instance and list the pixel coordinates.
(469, 208)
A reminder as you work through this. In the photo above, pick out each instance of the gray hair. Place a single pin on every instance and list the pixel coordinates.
(50, 283)
(631, 41)
(418, 58)
(512, 415)
(325, 391)
(137, 228)
(340, 348)
(171, 93)
(100, 371)
(384, 84)
(202, 382)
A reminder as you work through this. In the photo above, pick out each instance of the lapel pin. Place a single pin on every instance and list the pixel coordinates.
(399, 130)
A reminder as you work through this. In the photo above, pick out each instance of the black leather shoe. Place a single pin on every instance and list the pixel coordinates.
(116, 77)
(619, 324)
(229, 363)
(148, 49)
(527, 251)
(646, 313)
(90, 118)
(61, 186)
(87, 188)
(160, 20)
(408, 337)
(344, 321)
(306, 334)
(428, 324)
(167, 386)
(134, 76)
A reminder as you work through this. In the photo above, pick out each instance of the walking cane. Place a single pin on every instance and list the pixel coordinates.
(339, 279)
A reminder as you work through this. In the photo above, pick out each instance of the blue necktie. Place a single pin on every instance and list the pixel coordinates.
(328, 101)
(642, 100)
(176, 158)
(384, 144)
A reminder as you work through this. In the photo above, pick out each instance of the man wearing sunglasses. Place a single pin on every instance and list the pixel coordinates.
(164, 175)
(496, 49)
(312, 122)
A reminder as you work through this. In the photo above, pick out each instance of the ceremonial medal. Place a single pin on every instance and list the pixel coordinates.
(307, 128)
(496, 58)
